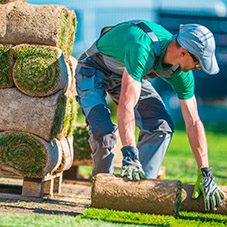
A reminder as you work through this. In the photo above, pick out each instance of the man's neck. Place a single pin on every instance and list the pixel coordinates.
(171, 55)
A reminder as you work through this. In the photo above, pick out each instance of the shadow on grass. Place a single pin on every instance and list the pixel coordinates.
(44, 211)
(43, 207)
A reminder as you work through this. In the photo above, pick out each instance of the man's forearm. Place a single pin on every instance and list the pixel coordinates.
(130, 92)
(126, 126)
(198, 143)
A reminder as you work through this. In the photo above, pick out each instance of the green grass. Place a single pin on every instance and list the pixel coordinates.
(109, 218)
(189, 219)
(180, 163)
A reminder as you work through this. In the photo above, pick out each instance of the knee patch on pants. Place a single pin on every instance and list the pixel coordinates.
(101, 126)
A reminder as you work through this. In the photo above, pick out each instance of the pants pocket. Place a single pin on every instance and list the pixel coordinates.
(86, 78)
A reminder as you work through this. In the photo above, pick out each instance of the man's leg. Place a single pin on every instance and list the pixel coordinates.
(156, 128)
(91, 97)
(152, 148)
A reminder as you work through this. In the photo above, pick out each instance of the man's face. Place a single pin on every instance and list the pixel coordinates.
(190, 62)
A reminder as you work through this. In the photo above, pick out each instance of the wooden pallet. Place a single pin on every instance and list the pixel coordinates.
(34, 189)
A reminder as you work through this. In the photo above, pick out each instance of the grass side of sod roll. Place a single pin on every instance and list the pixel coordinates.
(36, 69)
(22, 153)
(5, 69)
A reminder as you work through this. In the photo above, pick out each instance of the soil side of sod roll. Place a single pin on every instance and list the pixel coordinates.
(43, 117)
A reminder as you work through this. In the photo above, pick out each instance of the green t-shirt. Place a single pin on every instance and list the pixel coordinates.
(130, 44)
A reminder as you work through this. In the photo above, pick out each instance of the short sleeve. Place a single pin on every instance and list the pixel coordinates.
(139, 57)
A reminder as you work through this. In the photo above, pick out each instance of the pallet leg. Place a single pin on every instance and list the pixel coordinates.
(58, 184)
(48, 188)
(33, 187)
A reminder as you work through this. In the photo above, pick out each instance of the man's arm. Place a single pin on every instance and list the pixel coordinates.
(130, 92)
(205, 183)
(195, 131)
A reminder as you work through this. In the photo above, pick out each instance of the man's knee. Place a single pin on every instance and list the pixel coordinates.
(101, 126)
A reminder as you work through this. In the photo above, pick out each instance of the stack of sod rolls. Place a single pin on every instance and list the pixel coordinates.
(37, 91)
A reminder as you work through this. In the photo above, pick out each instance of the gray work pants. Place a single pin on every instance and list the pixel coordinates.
(155, 124)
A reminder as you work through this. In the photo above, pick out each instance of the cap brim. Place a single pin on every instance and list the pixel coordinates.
(209, 65)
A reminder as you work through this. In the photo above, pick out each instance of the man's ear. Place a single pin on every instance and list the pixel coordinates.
(183, 52)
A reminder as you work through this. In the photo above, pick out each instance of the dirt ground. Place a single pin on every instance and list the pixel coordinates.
(73, 200)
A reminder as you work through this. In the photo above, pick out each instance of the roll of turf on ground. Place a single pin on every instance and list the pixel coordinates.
(43, 117)
(6, 79)
(67, 154)
(39, 70)
(52, 25)
(145, 196)
(28, 155)
(197, 205)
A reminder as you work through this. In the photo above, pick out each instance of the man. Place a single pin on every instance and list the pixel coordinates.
(121, 62)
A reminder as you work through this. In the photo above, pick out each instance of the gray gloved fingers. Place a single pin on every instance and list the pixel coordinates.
(130, 173)
(136, 175)
(142, 174)
(123, 171)
(207, 202)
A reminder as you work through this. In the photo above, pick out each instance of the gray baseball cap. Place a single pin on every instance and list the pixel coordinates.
(199, 41)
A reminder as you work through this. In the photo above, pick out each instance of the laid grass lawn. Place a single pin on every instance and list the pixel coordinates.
(179, 160)
(109, 218)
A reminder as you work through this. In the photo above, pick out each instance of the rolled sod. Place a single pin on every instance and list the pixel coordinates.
(67, 154)
(28, 155)
(72, 64)
(70, 115)
(6, 79)
(165, 197)
(8, 1)
(197, 205)
(52, 25)
(145, 196)
(43, 117)
(39, 70)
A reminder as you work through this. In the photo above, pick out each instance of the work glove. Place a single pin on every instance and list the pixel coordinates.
(206, 184)
(131, 165)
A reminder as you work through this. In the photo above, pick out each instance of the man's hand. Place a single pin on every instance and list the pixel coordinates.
(131, 164)
(206, 184)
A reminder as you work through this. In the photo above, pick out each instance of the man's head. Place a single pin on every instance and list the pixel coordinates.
(199, 41)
